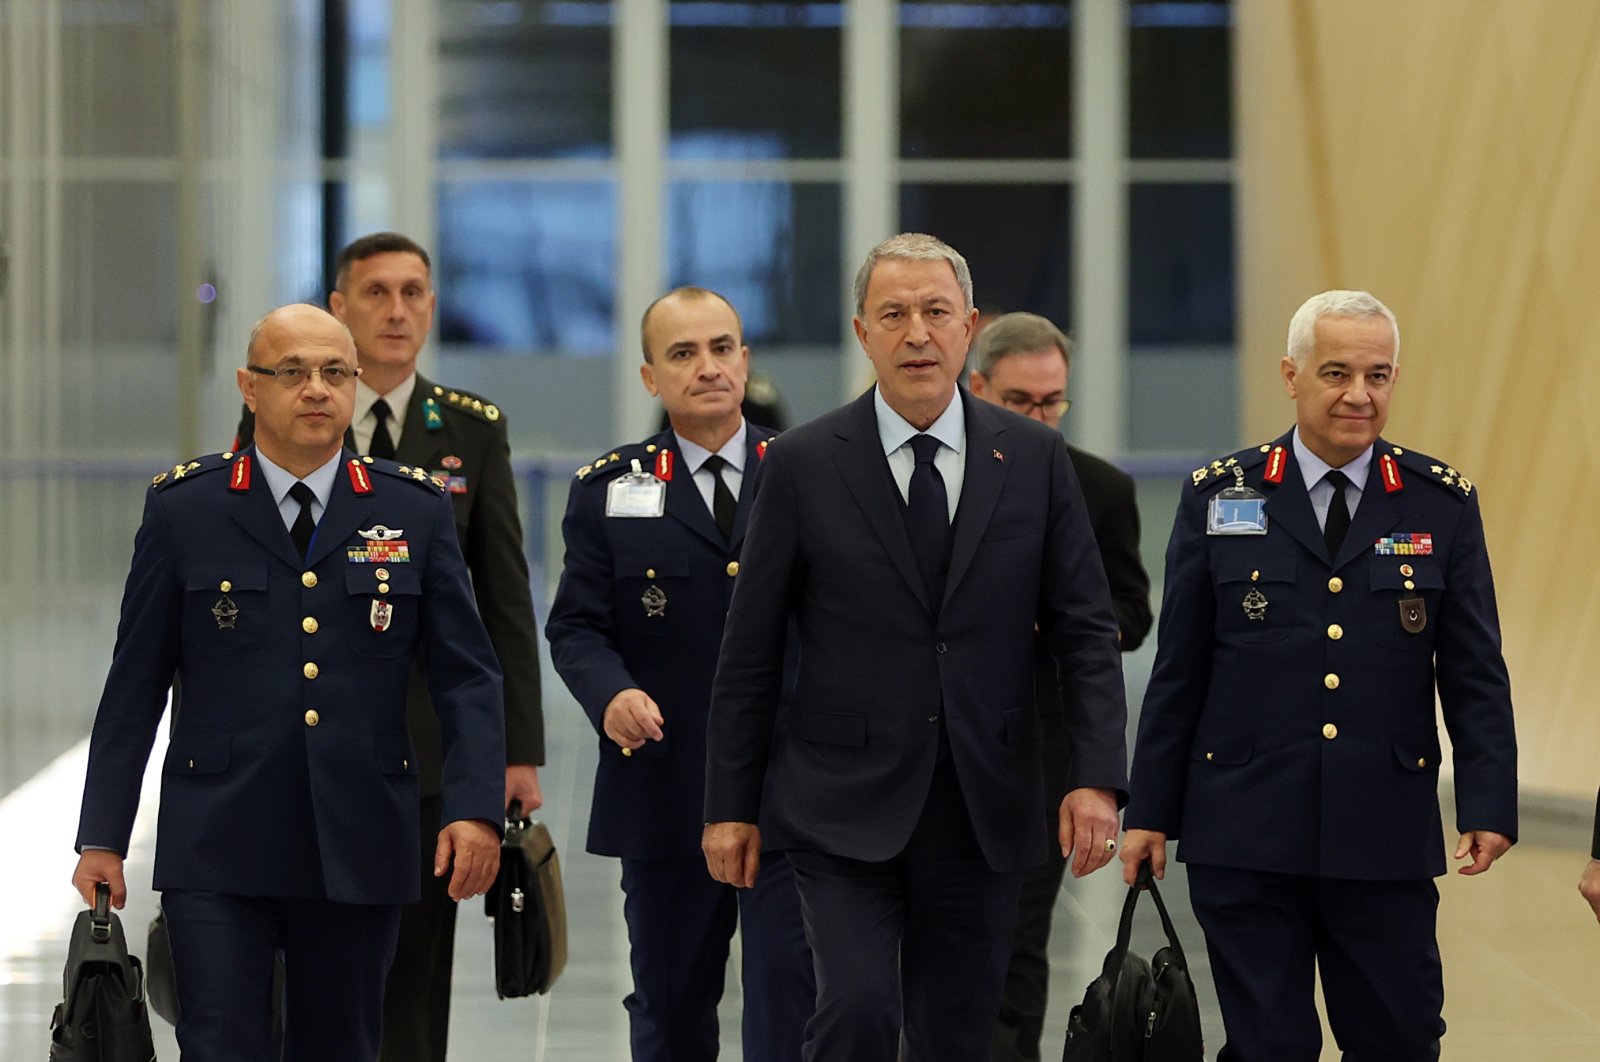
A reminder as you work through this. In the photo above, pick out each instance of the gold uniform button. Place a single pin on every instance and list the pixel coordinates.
(1331, 681)
(312, 718)
(1422, 762)
(1335, 631)
(382, 574)
(308, 579)
(1330, 731)
(1255, 575)
(225, 586)
(405, 765)
(309, 624)
(649, 573)
(383, 588)
(733, 567)
(1407, 571)
(311, 670)
(627, 751)
(1335, 584)
(1210, 756)
(1409, 585)
(191, 765)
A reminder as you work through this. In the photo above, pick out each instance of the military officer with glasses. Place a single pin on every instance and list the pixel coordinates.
(290, 586)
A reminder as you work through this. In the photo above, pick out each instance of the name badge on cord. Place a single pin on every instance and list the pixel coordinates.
(636, 494)
(1238, 510)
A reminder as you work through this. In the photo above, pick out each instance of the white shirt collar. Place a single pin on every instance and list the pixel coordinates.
(279, 480)
(894, 431)
(731, 451)
(398, 399)
(1313, 468)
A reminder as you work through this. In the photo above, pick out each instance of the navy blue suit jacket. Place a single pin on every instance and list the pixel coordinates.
(879, 664)
(1304, 742)
(604, 640)
(256, 799)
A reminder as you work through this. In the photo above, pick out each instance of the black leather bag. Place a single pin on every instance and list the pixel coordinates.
(161, 982)
(1138, 1011)
(528, 909)
(102, 1016)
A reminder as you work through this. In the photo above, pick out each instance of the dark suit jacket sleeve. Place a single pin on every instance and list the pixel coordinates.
(1117, 533)
(1179, 681)
(750, 669)
(1594, 847)
(1080, 632)
(463, 682)
(142, 666)
(1474, 688)
(500, 584)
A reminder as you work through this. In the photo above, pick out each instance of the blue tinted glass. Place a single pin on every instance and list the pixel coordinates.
(1180, 263)
(1179, 96)
(528, 266)
(770, 248)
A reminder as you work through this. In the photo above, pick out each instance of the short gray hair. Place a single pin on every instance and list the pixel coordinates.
(918, 247)
(1018, 333)
(1337, 303)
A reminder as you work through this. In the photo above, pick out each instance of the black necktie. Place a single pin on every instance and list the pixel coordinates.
(723, 503)
(928, 517)
(304, 525)
(382, 445)
(1338, 522)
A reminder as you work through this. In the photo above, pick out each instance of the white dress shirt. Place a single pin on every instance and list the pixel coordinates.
(732, 451)
(1313, 468)
(895, 433)
(362, 421)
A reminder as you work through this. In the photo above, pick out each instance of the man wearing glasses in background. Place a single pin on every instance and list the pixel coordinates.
(1022, 363)
(290, 587)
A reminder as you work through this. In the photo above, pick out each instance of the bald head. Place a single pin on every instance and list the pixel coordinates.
(296, 322)
(300, 381)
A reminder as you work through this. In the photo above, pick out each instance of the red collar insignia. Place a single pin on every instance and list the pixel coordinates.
(360, 482)
(241, 474)
(1276, 462)
(1391, 474)
(664, 465)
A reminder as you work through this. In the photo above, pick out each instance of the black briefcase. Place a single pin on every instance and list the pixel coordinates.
(1138, 1011)
(102, 1016)
(528, 909)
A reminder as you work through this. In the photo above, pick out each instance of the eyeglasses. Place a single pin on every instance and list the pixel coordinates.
(293, 376)
(1052, 407)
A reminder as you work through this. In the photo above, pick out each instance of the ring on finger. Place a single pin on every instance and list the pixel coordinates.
(1111, 844)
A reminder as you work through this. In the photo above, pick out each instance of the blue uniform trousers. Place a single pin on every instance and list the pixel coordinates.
(680, 920)
(336, 956)
(1373, 942)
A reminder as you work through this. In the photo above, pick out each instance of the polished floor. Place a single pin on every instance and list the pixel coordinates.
(1522, 953)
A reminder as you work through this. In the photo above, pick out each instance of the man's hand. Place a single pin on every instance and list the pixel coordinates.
(1589, 885)
(1139, 845)
(96, 865)
(1088, 820)
(522, 787)
(631, 718)
(1484, 846)
(733, 852)
(474, 846)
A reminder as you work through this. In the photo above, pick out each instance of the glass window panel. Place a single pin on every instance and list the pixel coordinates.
(755, 79)
(987, 79)
(121, 247)
(1178, 64)
(1180, 263)
(771, 248)
(119, 79)
(1017, 239)
(524, 78)
(527, 266)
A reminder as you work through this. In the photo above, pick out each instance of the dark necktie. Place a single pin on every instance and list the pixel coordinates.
(382, 445)
(928, 517)
(723, 503)
(1338, 522)
(304, 525)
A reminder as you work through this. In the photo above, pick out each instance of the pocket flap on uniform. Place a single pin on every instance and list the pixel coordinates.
(1021, 724)
(1274, 570)
(832, 728)
(1417, 750)
(237, 576)
(1228, 747)
(651, 564)
(200, 751)
(363, 579)
(1425, 575)
(393, 751)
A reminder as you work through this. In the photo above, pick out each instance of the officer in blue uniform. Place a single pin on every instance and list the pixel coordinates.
(289, 587)
(653, 533)
(1322, 591)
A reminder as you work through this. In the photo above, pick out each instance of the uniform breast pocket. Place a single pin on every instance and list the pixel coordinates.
(384, 614)
(646, 583)
(1256, 599)
(1406, 594)
(225, 607)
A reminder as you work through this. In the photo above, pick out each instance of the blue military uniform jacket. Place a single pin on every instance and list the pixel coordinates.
(1289, 723)
(641, 605)
(289, 771)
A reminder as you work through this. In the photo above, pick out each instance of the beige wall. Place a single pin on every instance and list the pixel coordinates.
(1445, 155)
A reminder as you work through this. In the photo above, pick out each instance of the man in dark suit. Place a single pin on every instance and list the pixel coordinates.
(654, 533)
(291, 587)
(1323, 592)
(1589, 885)
(385, 296)
(917, 537)
(1022, 362)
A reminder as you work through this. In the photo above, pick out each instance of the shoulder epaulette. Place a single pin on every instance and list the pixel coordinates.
(415, 475)
(1432, 470)
(1221, 470)
(620, 459)
(185, 470)
(450, 398)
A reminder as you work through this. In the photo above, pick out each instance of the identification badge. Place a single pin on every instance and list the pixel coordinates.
(636, 494)
(1237, 511)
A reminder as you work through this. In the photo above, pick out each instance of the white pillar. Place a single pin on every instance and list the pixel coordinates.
(871, 152)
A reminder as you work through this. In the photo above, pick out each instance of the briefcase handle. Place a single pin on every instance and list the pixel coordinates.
(100, 916)
(1144, 881)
